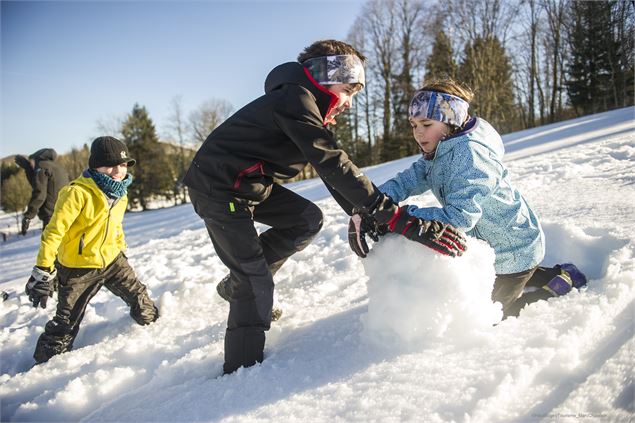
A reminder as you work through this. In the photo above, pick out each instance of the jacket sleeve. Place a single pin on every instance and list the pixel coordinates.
(343, 202)
(38, 195)
(70, 203)
(471, 176)
(301, 121)
(411, 181)
(120, 239)
(25, 164)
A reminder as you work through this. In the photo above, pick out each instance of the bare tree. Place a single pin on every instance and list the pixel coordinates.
(178, 129)
(364, 107)
(379, 23)
(111, 125)
(482, 18)
(413, 41)
(207, 117)
(555, 13)
(75, 161)
(534, 17)
(526, 47)
(394, 35)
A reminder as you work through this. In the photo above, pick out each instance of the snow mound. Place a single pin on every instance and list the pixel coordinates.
(418, 298)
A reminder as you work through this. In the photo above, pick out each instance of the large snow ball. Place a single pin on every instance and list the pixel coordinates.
(417, 297)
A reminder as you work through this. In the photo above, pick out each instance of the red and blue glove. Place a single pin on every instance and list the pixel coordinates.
(385, 216)
(441, 237)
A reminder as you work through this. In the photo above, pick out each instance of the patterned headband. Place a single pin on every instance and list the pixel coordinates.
(341, 69)
(443, 107)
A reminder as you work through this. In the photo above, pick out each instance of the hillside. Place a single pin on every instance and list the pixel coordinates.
(338, 353)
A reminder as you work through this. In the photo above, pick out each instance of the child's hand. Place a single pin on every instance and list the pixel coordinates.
(360, 225)
(40, 286)
(25, 225)
(441, 237)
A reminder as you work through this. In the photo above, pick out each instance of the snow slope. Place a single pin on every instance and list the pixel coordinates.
(400, 336)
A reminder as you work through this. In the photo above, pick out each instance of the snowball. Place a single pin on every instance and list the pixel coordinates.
(417, 297)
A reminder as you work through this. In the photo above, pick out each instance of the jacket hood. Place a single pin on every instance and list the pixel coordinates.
(477, 130)
(296, 74)
(286, 73)
(44, 154)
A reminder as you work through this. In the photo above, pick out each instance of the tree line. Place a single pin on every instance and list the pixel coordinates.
(160, 165)
(529, 62)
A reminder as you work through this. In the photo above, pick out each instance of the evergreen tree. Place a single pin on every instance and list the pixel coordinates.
(594, 68)
(153, 175)
(8, 168)
(16, 193)
(344, 133)
(440, 63)
(623, 18)
(347, 134)
(486, 69)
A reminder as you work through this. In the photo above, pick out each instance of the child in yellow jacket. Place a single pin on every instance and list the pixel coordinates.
(86, 237)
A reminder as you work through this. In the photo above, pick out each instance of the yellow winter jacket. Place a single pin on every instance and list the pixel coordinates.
(85, 230)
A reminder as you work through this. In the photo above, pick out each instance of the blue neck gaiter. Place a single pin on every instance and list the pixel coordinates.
(113, 189)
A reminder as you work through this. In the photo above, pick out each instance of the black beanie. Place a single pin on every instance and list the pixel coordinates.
(109, 151)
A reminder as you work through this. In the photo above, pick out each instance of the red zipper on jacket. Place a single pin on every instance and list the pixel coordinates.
(246, 171)
(334, 97)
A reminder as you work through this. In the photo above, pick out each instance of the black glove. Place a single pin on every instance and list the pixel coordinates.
(40, 286)
(25, 225)
(360, 225)
(441, 237)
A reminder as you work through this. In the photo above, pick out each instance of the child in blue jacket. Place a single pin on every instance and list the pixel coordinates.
(462, 166)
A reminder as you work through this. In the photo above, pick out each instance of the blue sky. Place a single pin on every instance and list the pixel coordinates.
(66, 65)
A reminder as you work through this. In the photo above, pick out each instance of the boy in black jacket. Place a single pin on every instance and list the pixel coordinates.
(46, 179)
(231, 184)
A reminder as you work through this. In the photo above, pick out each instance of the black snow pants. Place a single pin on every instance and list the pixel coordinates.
(508, 289)
(76, 288)
(253, 259)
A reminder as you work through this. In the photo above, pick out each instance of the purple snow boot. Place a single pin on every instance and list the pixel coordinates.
(578, 278)
(569, 277)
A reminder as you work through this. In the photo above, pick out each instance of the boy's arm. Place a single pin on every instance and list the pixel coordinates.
(120, 238)
(25, 164)
(69, 205)
(411, 181)
(343, 202)
(302, 123)
(38, 195)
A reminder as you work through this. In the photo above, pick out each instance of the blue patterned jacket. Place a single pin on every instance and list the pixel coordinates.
(472, 184)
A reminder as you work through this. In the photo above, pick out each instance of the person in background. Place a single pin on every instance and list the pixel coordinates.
(462, 164)
(47, 177)
(231, 184)
(86, 236)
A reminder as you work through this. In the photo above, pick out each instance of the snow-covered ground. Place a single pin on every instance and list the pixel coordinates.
(405, 335)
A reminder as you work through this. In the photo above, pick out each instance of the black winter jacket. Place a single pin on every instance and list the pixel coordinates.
(49, 178)
(275, 136)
